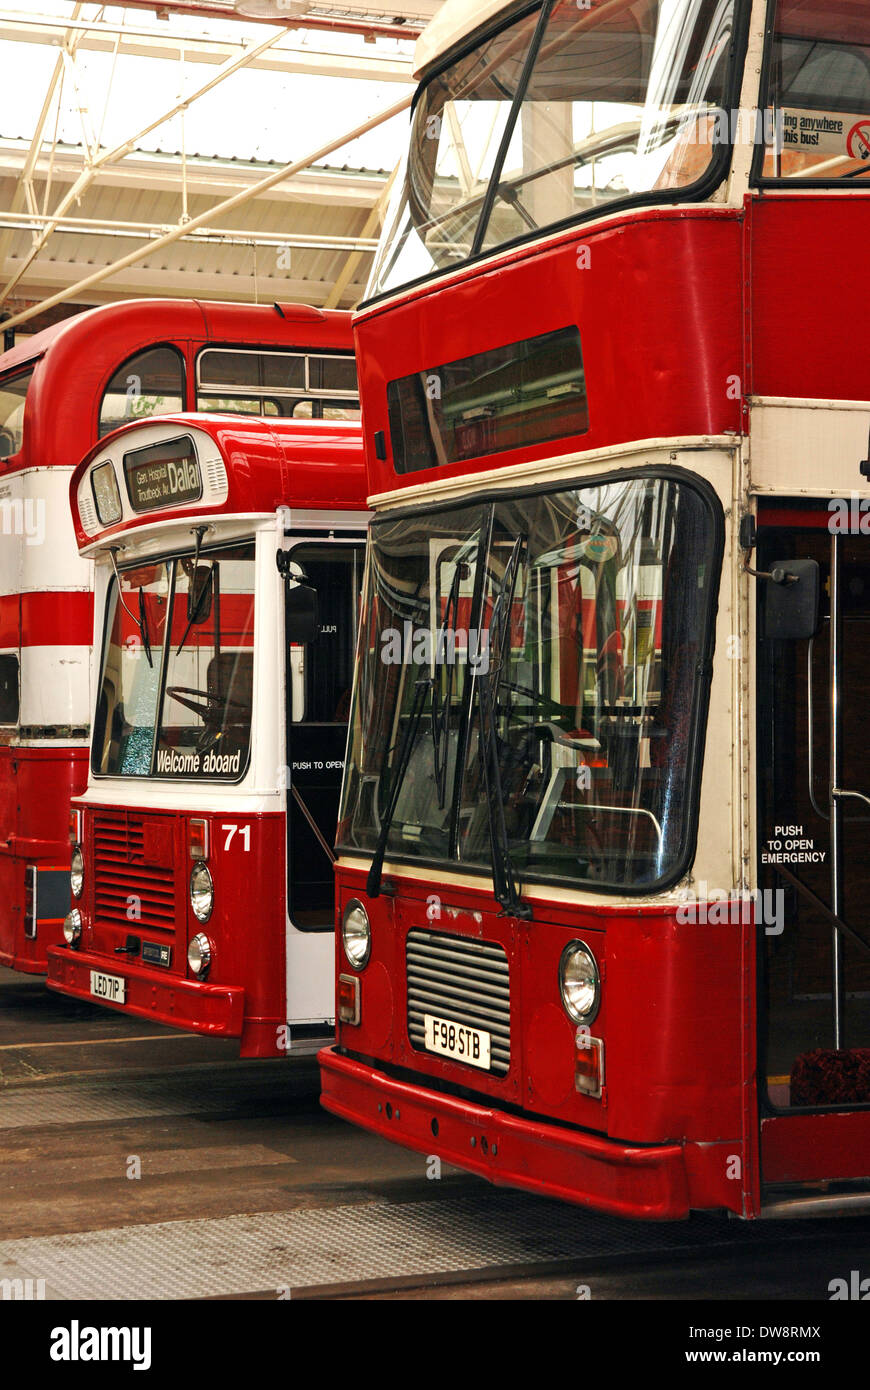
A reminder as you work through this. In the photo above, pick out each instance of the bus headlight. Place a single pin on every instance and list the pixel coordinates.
(72, 927)
(579, 982)
(77, 871)
(201, 891)
(356, 934)
(199, 953)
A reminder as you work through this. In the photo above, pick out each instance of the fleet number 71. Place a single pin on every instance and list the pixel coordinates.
(244, 834)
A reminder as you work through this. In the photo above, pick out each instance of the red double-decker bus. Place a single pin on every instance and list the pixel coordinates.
(228, 558)
(602, 885)
(60, 391)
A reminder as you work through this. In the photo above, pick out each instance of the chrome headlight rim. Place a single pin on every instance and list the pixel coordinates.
(573, 952)
(356, 958)
(202, 896)
(77, 871)
(72, 927)
(200, 963)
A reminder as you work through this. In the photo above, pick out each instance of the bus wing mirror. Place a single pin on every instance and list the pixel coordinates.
(301, 614)
(791, 600)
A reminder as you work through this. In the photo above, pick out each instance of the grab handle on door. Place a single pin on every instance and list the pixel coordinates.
(859, 796)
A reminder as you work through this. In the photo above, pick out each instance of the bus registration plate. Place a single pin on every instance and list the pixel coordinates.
(111, 987)
(469, 1045)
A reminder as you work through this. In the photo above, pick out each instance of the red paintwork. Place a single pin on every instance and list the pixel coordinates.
(74, 362)
(683, 313)
(270, 463)
(673, 1072)
(815, 1148)
(642, 299)
(36, 785)
(243, 996)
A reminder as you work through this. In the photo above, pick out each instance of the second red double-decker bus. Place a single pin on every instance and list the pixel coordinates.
(602, 880)
(60, 391)
(228, 561)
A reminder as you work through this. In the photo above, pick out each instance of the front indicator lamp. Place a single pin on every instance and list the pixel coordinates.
(77, 871)
(199, 954)
(201, 891)
(72, 927)
(356, 934)
(579, 983)
(348, 999)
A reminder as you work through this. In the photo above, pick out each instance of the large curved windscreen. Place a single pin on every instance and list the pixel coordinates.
(176, 683)
(531, 677)
(558, 115)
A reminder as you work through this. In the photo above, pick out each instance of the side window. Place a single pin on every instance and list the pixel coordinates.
(818, 103)
(247, 381)
(12, 396)
(322, 672)
(8, 689)
(151, 383)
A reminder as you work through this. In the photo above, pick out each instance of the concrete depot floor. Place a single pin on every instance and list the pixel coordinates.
(247, 1188)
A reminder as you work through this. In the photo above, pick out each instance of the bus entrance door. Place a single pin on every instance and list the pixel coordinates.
(813, 904)
(319, 679)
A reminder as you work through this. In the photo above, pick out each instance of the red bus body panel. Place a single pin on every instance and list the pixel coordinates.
(244, 994)
(706, 299)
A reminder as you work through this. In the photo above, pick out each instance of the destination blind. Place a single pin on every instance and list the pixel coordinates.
(163, 475)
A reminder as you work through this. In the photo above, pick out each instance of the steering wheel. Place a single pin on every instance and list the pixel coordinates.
(210, 709)
(213, 705)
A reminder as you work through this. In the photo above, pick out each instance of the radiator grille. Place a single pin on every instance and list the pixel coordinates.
(461, 979)
(120, 872)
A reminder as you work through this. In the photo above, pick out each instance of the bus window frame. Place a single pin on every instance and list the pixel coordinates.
(698, 192)
(169, 557)
(359, 540)
(297, 394)
(757, 179)
(15, 654)
(697, 749)
(100, 395)
(28, 368)
(111, 521)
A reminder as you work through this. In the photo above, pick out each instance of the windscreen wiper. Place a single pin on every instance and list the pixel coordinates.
(196, 607)
(140, 622)
(143, 625)
(373, 882)
(441, 713)
(498, 636)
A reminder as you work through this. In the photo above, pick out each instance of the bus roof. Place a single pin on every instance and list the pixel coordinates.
(243, 465)
(196, 318)
(74, 361)
(454, 22)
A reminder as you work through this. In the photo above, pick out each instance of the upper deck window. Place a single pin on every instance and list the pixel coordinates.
(562, 113)
(523, 394)
(151, 383)
(247, 382)
(818, 92)
(13, 393)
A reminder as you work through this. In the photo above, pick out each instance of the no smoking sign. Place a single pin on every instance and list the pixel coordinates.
(858, 142)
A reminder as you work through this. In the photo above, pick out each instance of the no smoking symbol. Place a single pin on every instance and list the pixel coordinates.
(858, 142)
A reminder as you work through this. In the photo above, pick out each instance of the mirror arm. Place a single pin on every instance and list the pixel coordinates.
(777, 576)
